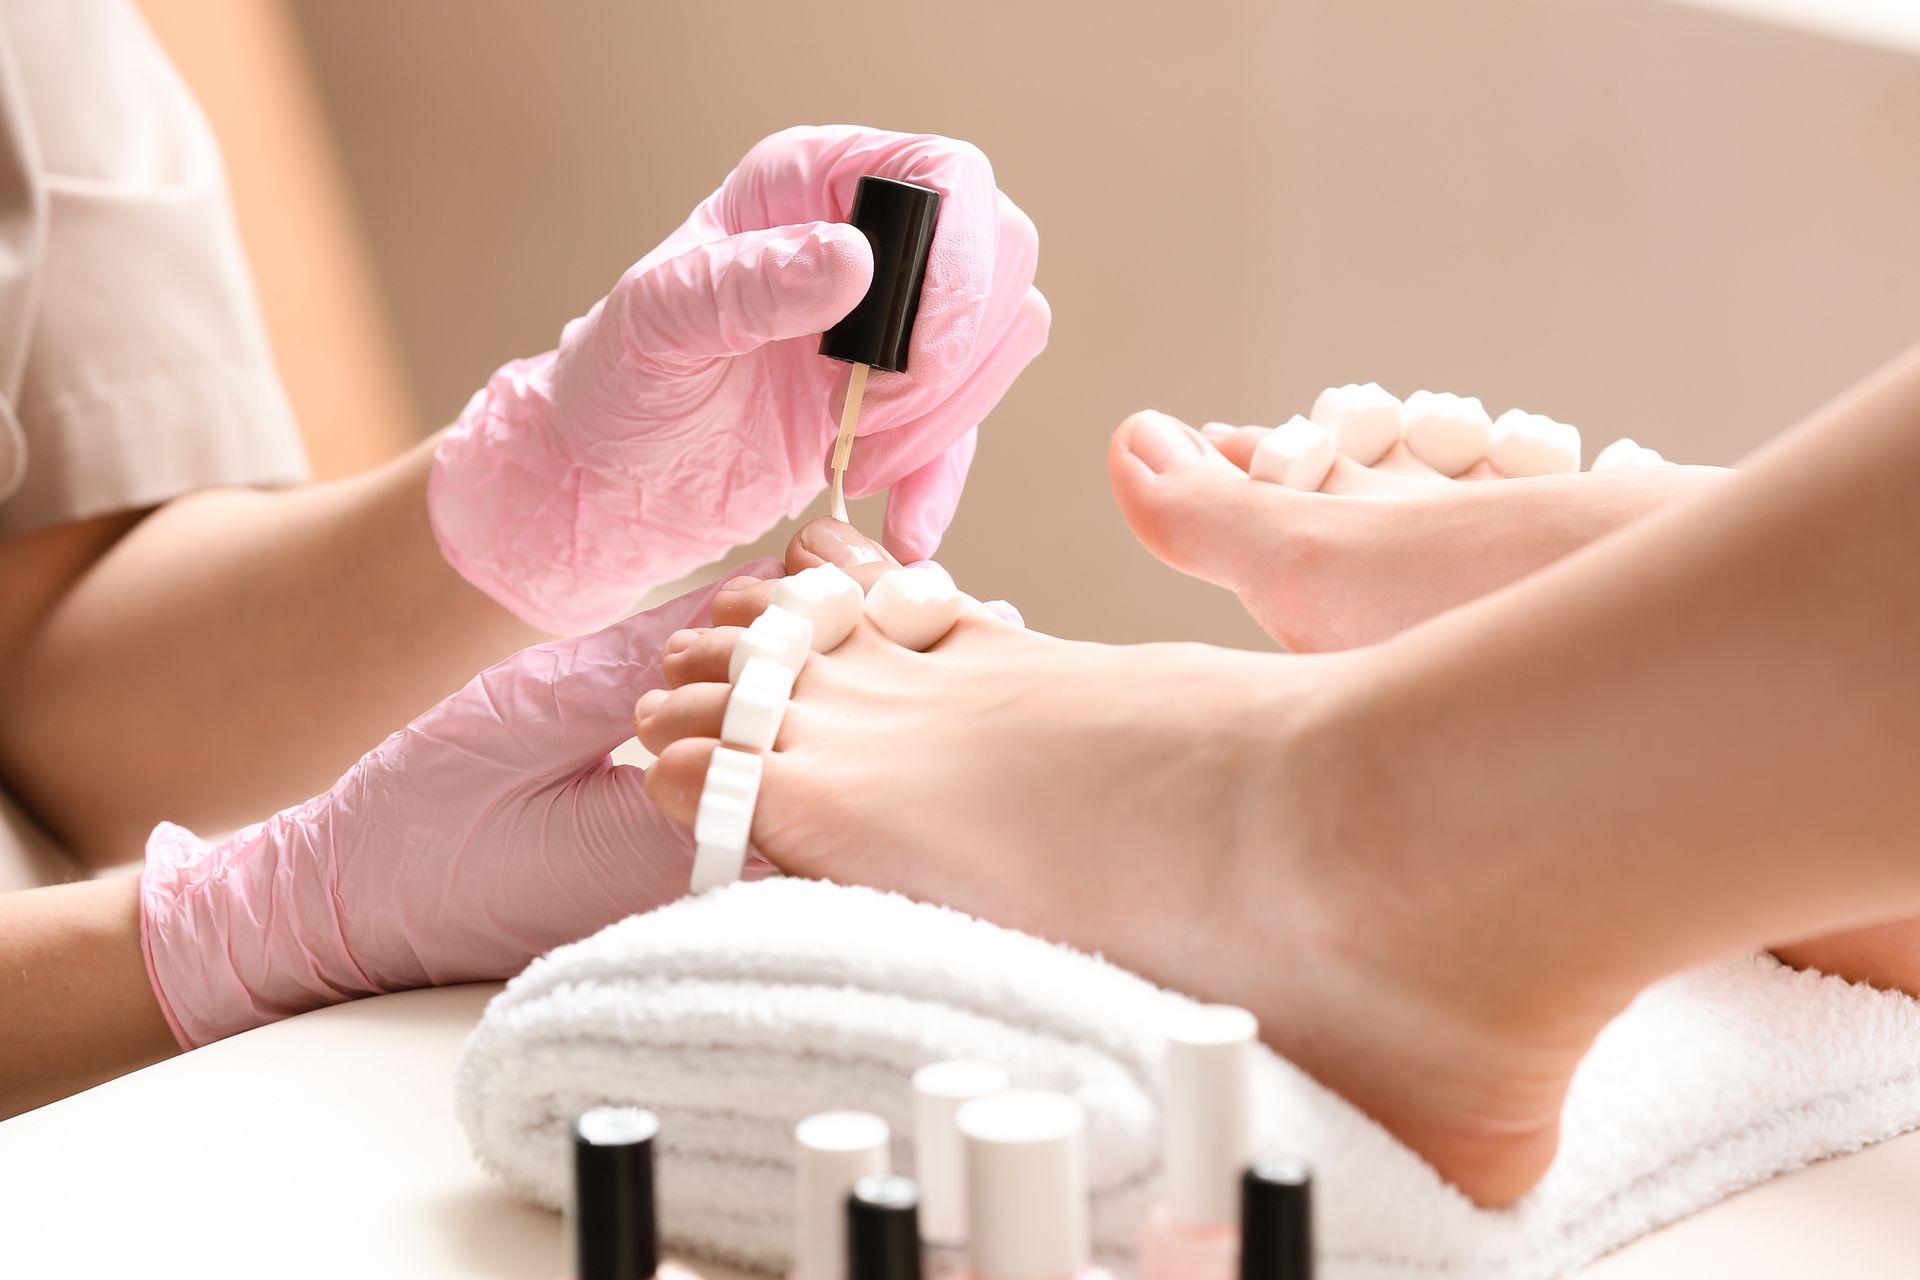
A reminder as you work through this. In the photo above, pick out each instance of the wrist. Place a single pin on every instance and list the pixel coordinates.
(244, 932)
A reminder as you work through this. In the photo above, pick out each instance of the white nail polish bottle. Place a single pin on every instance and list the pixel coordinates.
(1208, 1129)
(832, 1151)
(1026, 1188)
(939, 1091)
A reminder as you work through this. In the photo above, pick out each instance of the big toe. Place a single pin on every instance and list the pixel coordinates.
(1192, 507)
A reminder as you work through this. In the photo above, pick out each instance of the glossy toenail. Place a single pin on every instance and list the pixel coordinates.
(1163, 443)
(840, 544)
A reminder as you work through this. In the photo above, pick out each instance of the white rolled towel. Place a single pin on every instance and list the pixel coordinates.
(737, 1014)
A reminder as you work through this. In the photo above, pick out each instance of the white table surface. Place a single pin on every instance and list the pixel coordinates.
(326, 1146)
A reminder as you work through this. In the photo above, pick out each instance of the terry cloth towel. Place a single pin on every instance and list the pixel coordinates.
(735, 1014)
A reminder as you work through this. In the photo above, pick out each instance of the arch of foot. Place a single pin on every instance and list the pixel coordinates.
(810, 612)
(1450, 433)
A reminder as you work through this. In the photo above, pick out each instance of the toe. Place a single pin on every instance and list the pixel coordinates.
(1236, 444)
(692, 711)
(703, 658)
(674, 781)
(741, 601)
(830, 541)
(1194, 509)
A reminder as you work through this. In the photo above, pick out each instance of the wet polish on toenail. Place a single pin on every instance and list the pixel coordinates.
(1161, 442)
(839, 544)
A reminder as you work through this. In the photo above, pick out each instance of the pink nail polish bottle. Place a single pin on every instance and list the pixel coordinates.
(1026, 1188)
(1194, 1234)
(616, 1229)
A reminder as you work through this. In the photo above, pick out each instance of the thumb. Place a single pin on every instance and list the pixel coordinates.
(922, 503)
(730, 296)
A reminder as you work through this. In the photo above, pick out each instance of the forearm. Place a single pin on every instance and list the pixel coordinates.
(235, 652)
(74, 996)
(1675, 724)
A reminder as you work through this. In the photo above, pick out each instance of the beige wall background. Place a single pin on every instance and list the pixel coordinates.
(1644, 218)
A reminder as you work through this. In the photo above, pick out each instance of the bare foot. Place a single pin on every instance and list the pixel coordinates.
(1382, 548)
(1378, 549)
(1175, 807)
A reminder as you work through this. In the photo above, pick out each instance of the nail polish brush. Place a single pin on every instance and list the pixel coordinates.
(897, 218)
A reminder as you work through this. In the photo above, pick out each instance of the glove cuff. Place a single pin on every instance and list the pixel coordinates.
(242, 933)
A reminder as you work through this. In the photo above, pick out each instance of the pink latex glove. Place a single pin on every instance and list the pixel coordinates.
(487, 832)
(690, 410)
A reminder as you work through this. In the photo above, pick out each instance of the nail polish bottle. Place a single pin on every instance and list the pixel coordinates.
(883, 1229)
(1276, 1221)
(616, 1231)
(1208, 1131)
(832, 1151)
(939, 1091)
(1026, 1188)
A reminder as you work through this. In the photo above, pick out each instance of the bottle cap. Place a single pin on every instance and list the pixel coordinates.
(1276, 1221)
(1209, 1112)
(883, 1229)
(898, 219)
(939, 1091)
(832, 1151)
(1026, 1185)
(616, 1234)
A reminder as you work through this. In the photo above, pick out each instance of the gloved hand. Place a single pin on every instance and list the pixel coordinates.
(487, 832)
(690, 409)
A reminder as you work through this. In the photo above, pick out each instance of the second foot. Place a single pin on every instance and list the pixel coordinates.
(1378, 548)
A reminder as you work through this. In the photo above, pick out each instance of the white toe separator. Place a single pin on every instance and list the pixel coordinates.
(914, 607)
(1628, 452)
(757, 705)
(826, 597)
(1447, 432)
(1297, 454)
(1532, 444)
(724, 820)
(777, 635)
(1366, 420)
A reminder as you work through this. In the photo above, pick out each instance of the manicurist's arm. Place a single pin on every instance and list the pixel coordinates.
(489, 830)
(237, 649)
(232, 652)
(74, 995)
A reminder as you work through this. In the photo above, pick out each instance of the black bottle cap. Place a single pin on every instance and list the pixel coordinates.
(616, 1235)
(898, 219)
(1276, 1221)
(883, 1229)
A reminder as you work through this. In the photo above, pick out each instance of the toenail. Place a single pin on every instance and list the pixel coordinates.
(741, 583)
(679, 642)
(1161, 442)
(650, 702)
(839, 544)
